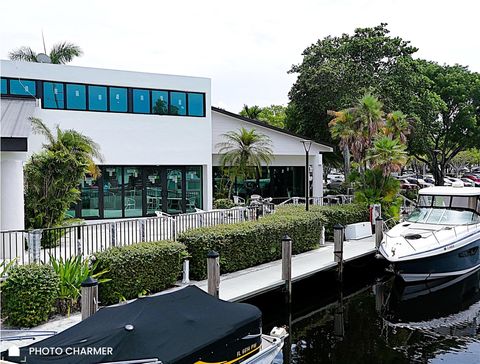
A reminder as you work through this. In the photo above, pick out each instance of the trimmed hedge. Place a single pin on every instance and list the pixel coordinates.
(29, 294)
(251, 243)
(138, 268)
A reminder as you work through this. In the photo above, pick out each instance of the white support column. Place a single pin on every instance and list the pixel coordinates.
(12, 205)
(317, 165)
(207, 187)
(11, 181)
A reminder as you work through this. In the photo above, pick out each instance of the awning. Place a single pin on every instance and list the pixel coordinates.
(15, 125)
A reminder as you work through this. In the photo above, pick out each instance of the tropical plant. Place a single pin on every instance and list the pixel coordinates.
(71, 273)
(387, 154)
(397, 126)
(251, 112)
(52, 176)
(61, 53)
(243, 153)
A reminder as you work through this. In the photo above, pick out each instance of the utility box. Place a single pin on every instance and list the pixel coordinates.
(357, 231)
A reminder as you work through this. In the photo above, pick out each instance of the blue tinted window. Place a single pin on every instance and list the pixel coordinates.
(195, 104)
(141, 101)
(53, 97)
(97, 98)
(22, 87)
(4, 86)
(160, 102)
(76, 97)
(177, 103)
(118, 99)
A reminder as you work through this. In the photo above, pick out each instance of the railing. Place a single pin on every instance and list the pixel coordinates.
(322, 201)
(29, 246)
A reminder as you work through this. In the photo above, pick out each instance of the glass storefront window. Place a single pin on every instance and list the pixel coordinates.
(141, 101)
(89, 190)
(4, 86)
(22, 87)
(97, 98)
(118, 99)
(76, 97)
(112, 192)
(153, 188)
(177, 103)
(175, 200)
(195, 104)
(132, 189)
(194, 188)
(53, 97)
(160, 102)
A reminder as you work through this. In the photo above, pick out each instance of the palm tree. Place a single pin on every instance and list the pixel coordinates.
(61, 53)
(81, 147)
(243, 153)
(387, 154)
(52, 176)
(397, 126)
(251, 112)
(357, 126)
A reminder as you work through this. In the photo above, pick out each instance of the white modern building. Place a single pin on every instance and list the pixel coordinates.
(158, 136)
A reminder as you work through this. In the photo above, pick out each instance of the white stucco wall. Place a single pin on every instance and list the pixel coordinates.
(127, 138)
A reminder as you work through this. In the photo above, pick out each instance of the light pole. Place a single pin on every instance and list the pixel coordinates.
(306, 145)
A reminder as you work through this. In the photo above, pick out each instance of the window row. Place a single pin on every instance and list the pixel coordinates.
(72, 96)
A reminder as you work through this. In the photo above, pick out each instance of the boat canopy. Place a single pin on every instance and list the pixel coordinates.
(177, 327)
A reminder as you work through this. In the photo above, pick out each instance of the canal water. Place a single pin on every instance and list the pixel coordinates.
(371, 317)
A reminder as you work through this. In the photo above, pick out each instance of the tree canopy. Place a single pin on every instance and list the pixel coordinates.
(274, 114)
(61, 53)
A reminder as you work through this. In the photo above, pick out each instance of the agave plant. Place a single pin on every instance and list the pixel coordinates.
(72, 272)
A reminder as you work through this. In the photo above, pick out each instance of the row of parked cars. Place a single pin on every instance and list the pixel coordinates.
(410, 182)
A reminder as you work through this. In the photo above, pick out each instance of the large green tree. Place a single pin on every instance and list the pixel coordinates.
(451, 123)
(61, 53)
(337, 71)
(274, 114)
(52, 176)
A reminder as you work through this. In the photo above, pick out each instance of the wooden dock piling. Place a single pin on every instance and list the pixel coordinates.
(287, 266)
(89, 300)
(213, 273)
(338, 238)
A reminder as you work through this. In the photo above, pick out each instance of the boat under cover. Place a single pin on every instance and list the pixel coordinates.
(441, 237)
(185, 326)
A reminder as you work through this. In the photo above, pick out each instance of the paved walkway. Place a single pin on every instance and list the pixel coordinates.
(246, 283)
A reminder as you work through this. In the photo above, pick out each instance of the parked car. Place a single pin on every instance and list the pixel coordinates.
(407, 185)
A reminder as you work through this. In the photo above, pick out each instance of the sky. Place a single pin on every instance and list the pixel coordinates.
(246, 47)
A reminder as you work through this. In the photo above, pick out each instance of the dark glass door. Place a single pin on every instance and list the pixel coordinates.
(153, 190)
(175, 190)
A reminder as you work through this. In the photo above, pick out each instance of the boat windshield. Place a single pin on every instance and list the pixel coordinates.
(426, 215)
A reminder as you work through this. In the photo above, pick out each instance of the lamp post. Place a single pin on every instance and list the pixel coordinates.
(306, 145)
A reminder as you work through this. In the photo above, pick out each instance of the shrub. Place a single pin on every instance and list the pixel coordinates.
(223, 203)
(138, 268)
(71, 273)
(251, 243)
(29, 294)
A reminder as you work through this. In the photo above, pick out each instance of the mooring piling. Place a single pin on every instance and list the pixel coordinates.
(89, 300)
(338, 238)
(213, 273)
(378, 231)
(287, 266)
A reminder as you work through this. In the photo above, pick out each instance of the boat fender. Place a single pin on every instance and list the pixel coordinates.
(278, 332)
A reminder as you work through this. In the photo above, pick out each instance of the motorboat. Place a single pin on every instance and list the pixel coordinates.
(186, 326)
(440, 238)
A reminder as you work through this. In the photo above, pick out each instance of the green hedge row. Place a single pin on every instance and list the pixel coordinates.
(248, 244)
(29, 294)
(139, 268)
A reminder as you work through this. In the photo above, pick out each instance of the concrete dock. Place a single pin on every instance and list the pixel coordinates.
(247, 283)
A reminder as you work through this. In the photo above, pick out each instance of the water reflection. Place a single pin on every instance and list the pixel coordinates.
(375, 319)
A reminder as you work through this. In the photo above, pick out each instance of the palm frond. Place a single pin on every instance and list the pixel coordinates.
(23, 54)
(64, 52)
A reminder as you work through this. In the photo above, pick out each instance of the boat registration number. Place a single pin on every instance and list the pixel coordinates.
(246, 349)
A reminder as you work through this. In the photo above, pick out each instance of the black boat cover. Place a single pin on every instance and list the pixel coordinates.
(172, 327)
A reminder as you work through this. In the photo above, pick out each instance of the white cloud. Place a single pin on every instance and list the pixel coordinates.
(246, 47)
